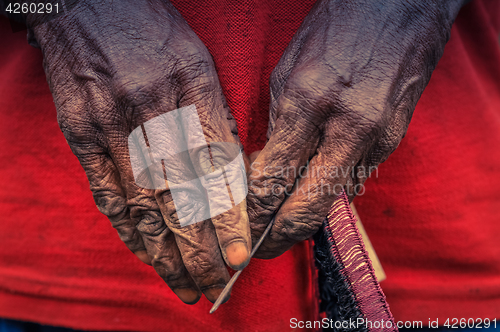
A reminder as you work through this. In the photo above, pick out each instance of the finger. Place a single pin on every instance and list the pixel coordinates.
(85, 139)
(157, 153)
(218, 160)
(332, 169)
(109, 198)
(139, 164)
(103, 177)
(205, 266)
(226, 189)
(139, 181)
(182, 201)
(167, 259)
(273, 173)
(197, 242)
(302, 213)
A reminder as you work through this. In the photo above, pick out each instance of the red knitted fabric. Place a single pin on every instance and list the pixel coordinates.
(61, 263)
(433, 213)
(246, 39)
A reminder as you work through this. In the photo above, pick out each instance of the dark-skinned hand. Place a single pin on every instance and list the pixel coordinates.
(112, 66)
(342, 97)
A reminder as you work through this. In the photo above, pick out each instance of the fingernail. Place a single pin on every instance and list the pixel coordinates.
(187, 295)
(143, 257)
(237, 255)
(212, 294)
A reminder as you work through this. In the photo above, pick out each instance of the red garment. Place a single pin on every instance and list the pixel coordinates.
(61, 263)
(435, 231)
(433, 214)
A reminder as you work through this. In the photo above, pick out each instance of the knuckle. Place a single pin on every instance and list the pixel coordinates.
(152, 225)
(167, 262)
(269, 191)
(189, 207)
(366, 120)
(133, 90)
(116, 210)
(194, 53)
(110, 204)
(386, 145)
(187, 45)
(199, 90)
(310, 82)
(75, 126)
(128, 235)
(193, 63)
(298, 226)
(308, 94)
(173, 278)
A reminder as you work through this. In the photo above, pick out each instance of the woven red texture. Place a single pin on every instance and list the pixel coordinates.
(246, 39)
(61, 263)
(432, 214)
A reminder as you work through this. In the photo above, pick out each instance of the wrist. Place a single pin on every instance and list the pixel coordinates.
(101, 15)
(446, 8)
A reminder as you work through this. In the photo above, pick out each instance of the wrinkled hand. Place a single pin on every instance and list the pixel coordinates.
(342, 97)
(112, 66)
